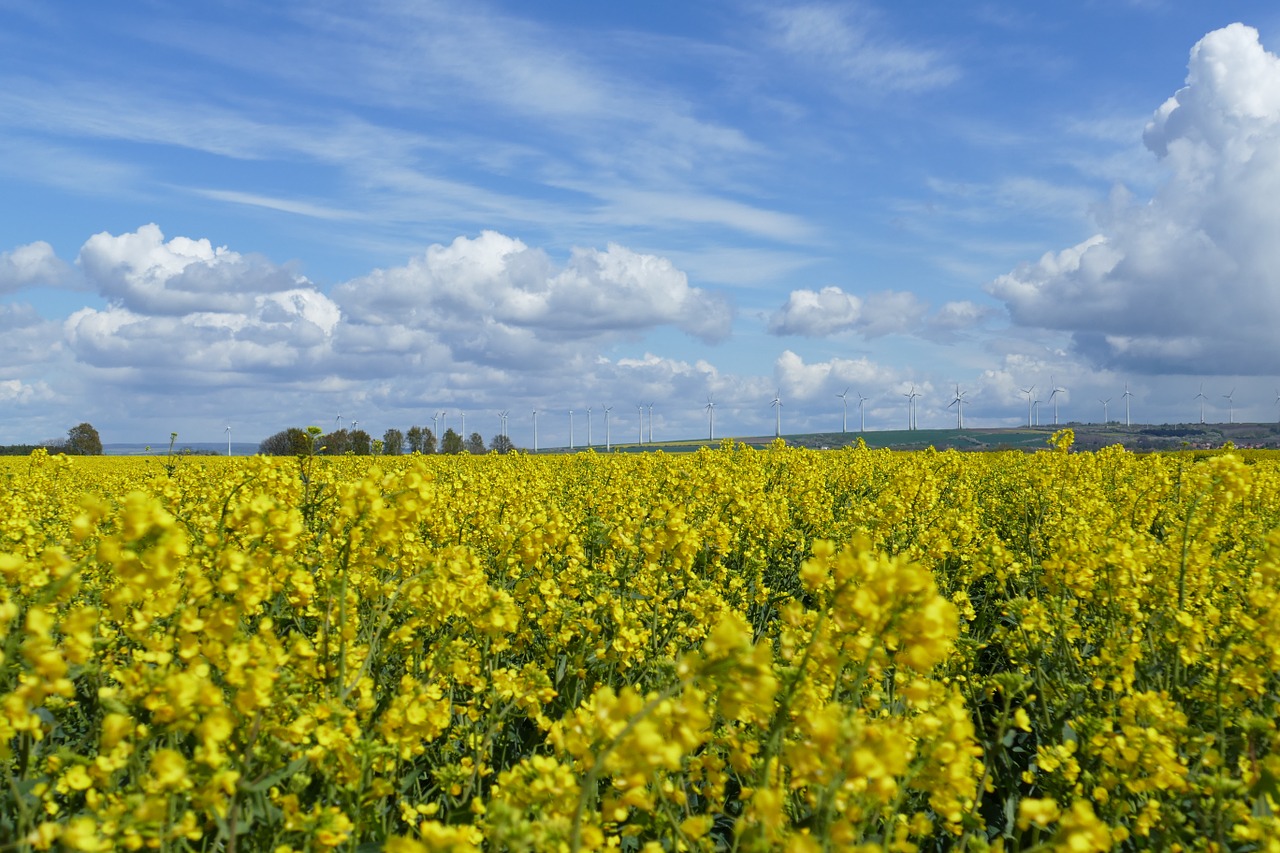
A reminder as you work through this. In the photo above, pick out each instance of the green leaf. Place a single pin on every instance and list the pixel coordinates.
(266, 782)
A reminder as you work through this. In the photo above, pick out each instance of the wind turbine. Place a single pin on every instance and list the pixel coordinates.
(338, 420)
(1028, 391)
(1037, 411)
(228, 441)
(535, 430)
(911, 408)
(1278, 403)
(503, 416)
(444, 422)
(640, 423)
(862, 415)
(464, 425)
(711, 419)
(571, 429)
(1230, 406)
(844, 417)
(958, 402)
(651, 423)
(1127, 395)
(1104, 409)
(1053, 398)
(435, 424)
(588, 426)
(607, 438)
(777, 410)
(1201, 398)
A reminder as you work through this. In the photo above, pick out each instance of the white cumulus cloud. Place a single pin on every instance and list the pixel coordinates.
(1188, 281)
(810, 380)
(184, 311)
(32, 265)
(493, 294)
(17, 392)
(479, 317)
(831, 311)
(142, 272)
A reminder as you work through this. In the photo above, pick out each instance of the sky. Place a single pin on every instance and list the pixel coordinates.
(263, 215)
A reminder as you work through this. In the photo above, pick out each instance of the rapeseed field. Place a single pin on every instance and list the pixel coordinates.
(730, 650)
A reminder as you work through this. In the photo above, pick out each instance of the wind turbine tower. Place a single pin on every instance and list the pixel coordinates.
(911, 408)
(228, 441)
(1230, 406)
(958, 402)
(862, 414)
(1104, 403)
(535, 430)
(1053, 397)
(844, 416)
(588, 426)
(651, 423)
(571, 429)
(711, 419)
(1028, 391)
(1127, 395)
(1201, 398)
(640, 423)
(607, 437)
(777, 410)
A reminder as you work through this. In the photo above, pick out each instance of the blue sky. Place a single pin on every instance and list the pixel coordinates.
(265, 215)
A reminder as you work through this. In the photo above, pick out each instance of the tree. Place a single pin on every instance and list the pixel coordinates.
(501, 444)
(393, 442)
(287, 442)
(451, 443)
(360, 442)
(475, 444)
(414, 437)
(428, 441)
(83, 440)
(335, 443)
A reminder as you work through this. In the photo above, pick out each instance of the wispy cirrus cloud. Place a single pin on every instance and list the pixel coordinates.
(847, 44)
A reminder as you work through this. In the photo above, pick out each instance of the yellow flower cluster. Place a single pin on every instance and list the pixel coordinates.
(726, 650)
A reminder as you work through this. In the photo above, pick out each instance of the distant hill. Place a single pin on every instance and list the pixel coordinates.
(1138, 437)
(161, 448)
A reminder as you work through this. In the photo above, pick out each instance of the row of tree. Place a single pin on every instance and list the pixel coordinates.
(81, 440)
(297, 442)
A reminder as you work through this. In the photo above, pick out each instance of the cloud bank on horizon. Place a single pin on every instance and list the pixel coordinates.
(1187, 281)
(607, 236)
